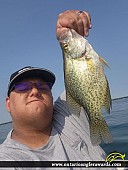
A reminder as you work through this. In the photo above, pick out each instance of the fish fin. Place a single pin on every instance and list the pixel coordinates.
(73, 106)
(108, 105)
(103, 62)
(99, 132)
(107, 99)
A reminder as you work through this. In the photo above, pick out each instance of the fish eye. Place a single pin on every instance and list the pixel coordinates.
(65, 47)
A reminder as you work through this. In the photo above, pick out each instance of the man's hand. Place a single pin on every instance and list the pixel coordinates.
(80, 21)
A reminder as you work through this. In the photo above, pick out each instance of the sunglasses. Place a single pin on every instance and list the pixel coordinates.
(26, 86)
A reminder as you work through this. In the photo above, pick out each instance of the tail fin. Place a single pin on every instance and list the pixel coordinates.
(99, 132)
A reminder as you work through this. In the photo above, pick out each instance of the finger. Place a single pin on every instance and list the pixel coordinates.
(80, 27)
(86, 19)
(75, 22)
(65, 21)
(89, 18)
(87, 25)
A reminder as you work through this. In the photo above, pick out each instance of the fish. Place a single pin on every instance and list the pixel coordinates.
(86, 84)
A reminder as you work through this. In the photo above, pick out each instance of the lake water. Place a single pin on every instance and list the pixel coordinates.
(117, 121)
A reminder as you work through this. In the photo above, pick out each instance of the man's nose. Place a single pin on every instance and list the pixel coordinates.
(35, 91)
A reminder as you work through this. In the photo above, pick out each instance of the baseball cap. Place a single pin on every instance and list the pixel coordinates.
(30, 72)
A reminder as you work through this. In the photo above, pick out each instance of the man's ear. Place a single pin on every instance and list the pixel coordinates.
(8, 104)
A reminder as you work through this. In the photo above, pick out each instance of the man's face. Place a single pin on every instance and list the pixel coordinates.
(31, 106)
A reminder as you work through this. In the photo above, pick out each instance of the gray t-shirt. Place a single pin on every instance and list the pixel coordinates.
(69, 140)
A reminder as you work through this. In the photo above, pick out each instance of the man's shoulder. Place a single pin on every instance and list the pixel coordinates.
(3, 152)
(63, 113)
(60, 106)
(7, 144)
(61, 100)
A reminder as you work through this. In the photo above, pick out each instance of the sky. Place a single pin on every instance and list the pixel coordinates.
(28, 38)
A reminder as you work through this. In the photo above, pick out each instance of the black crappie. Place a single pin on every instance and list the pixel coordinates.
(86, 84)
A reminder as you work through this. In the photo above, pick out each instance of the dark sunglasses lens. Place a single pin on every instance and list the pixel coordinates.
(24, 86)
(49, 85)
(44, 86)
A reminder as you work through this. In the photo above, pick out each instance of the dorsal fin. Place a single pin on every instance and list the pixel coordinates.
(103, 62)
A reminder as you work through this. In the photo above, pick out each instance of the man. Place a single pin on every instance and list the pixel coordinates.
(41, 133)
